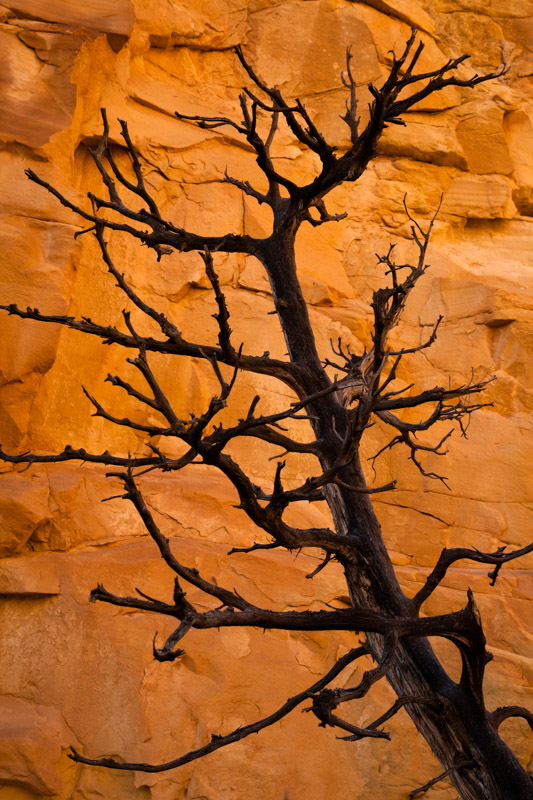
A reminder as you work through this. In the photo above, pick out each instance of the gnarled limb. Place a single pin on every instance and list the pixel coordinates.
(80, 454)
(400, 703)
(461, 764)
(385, 109)
(456, 626)
(158, 236)
(388, 303)
(262, 365)
(436, 395)
(507, 712)
(452, 555)
(239, 733)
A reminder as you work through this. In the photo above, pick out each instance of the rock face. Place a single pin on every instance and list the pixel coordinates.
(76, 674)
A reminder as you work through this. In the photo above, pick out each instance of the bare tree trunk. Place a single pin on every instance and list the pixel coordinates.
(461, 730)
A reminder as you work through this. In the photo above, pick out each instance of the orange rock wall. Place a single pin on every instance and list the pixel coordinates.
(73, 673)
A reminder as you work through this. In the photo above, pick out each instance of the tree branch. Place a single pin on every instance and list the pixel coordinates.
(261, 365)
(507, 712)
(435, 395)
(162, 234)
(239, 733)
(462, 764)
(80, 454)
(450, 556)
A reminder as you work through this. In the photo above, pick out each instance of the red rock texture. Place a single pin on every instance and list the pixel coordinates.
(74, 673)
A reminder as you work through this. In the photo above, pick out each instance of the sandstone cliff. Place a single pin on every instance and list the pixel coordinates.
(71, 673)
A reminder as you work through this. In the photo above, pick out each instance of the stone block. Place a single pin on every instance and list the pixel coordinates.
(473, 197)
(31, 739)
(23, 508)
(33, 576)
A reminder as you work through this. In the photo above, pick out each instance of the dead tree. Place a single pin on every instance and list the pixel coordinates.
(451, 715)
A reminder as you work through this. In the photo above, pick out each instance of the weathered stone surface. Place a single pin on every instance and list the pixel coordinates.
(483, 141)
(408, 11)
(113, 16)
(28, 576)
(74, 673)
(23, 507)
(480, 198)
(198, 24)
(518, 130)
(27, 88)
(430, 140)
(31, 739)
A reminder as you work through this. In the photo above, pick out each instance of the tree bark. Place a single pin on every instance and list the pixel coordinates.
(462, 731)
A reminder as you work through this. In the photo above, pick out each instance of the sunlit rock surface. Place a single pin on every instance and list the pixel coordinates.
(78, 674)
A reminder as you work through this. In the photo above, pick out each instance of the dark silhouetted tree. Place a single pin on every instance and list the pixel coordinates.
(450, 715)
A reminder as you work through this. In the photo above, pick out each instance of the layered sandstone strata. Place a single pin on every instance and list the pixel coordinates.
(77, 674)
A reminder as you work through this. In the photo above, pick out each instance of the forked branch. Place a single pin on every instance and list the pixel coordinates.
(448, 557)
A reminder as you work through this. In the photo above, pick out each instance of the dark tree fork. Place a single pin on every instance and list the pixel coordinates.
(450, 715)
